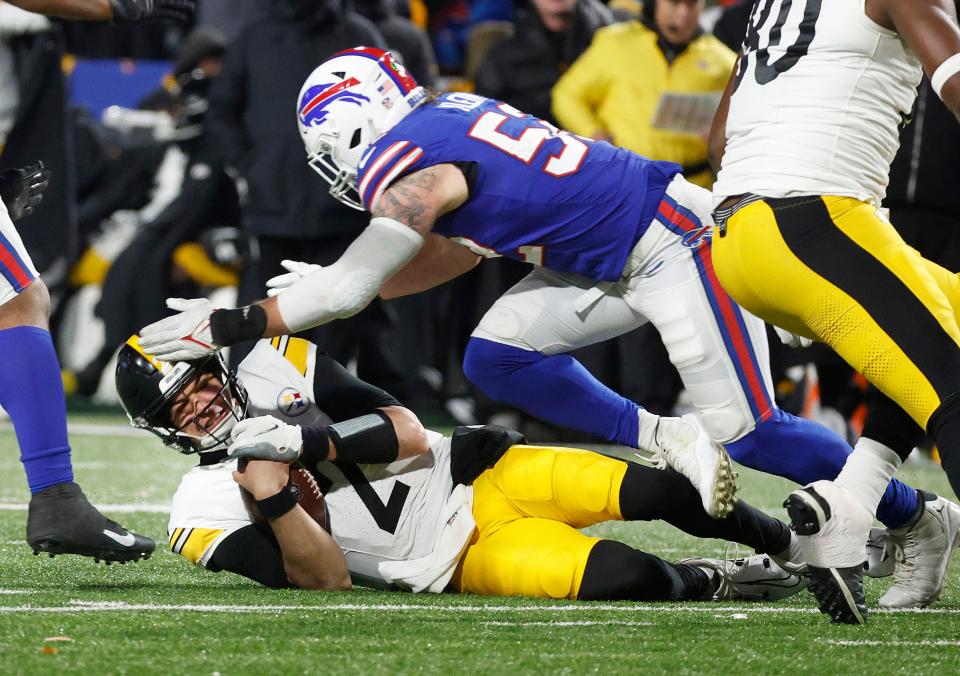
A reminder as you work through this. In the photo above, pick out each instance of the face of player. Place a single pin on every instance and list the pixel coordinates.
(201, 406)
(678, 20)
(556, 15)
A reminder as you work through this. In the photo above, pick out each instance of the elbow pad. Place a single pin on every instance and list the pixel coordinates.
(347, 286)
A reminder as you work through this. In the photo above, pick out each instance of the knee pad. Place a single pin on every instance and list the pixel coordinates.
(501, 324)
(726, 422)
(512, 320)
(521, 322)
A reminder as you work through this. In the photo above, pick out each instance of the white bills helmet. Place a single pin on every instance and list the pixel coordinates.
(350, 100)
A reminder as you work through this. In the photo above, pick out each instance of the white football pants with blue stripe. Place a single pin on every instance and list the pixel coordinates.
(517, 354)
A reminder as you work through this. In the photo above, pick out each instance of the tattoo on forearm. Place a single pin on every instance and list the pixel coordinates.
(408, 200)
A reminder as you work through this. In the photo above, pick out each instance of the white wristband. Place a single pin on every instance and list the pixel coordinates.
(944, 72)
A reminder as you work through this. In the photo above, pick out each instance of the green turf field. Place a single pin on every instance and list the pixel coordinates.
(164, 616)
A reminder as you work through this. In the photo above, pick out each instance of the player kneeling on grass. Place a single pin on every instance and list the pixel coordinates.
(479, 511)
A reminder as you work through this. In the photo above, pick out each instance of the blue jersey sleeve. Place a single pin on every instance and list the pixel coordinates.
(384, 164)
(537, 194)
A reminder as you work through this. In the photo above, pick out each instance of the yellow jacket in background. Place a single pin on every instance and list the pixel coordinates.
(615, 86)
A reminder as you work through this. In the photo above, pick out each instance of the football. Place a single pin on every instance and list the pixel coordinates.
(311, 497)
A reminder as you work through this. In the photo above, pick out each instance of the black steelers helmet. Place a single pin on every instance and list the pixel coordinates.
(148, 388)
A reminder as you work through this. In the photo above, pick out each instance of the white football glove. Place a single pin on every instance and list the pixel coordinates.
(266, 438)
(792, 339)
(184, 336)
(296, 271)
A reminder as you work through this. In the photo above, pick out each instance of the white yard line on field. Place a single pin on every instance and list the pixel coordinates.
(120, 606)
(874, 643)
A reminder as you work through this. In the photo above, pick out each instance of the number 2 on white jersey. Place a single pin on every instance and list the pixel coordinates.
(526, 146)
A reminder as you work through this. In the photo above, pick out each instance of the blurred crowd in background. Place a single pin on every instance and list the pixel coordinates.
(178, 171)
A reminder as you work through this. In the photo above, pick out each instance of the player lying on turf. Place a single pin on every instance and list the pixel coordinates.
(617, 240)
(478, 512)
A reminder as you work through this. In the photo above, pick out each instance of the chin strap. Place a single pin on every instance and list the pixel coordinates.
(213, 457)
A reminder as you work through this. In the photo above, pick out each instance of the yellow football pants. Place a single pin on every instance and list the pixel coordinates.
(832, 268)
(528, 508)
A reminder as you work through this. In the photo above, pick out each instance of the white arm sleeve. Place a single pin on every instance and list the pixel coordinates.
(347, 286)
(944, 72)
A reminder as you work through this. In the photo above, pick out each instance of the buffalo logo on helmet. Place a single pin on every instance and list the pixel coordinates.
(291, 402)
(313, 106)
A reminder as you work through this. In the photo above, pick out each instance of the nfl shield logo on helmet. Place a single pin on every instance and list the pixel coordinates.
(313, 104)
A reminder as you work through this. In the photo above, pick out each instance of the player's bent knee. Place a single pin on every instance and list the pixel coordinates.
(30, 307)
(490, 365)
(615, 571)
(760, 440)
(480, 365)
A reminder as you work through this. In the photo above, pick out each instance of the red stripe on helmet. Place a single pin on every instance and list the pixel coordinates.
(327, 93)
(388, 63)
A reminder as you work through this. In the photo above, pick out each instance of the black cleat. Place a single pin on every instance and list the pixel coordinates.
(839, 591)
(62, 521)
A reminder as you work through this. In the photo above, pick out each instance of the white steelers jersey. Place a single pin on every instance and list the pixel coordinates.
(822, 91)
(403, 523)
(278, 376)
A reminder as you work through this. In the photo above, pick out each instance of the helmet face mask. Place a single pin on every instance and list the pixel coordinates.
(209, 428)
(343, 181)
(150, 389)
(345, 105)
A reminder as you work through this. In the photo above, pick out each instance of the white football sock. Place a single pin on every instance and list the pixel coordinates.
(793, 553)
(647, 432)
(867, 472)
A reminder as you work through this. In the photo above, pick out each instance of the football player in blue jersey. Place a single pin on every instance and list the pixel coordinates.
(617, 240)
(60, 519)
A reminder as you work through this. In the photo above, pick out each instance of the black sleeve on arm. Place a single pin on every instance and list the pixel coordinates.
(469, 171)
(369, 438)
(341, 395)
(253, 552)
